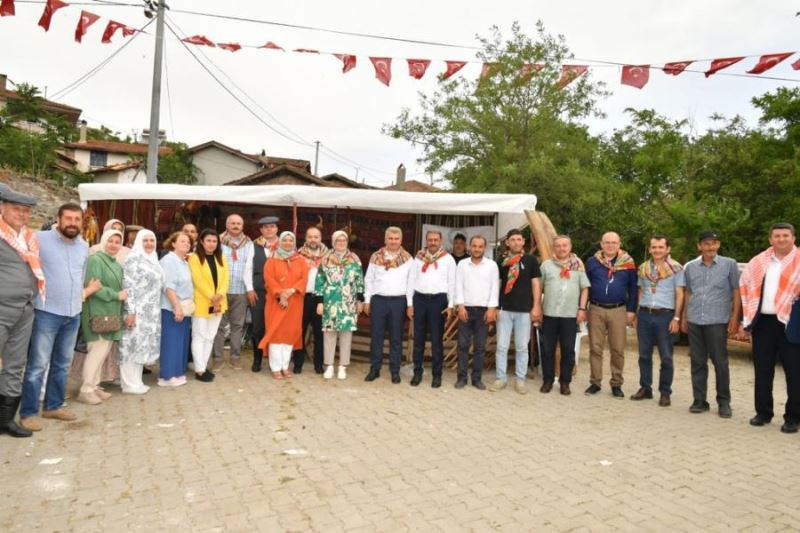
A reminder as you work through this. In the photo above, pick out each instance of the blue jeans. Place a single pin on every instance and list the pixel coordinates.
(52, 343)
(653, 330)
(520, 324)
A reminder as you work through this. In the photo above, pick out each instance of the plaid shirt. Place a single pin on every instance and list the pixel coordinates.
(237, 268)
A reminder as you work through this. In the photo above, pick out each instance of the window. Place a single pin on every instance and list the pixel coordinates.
(98, 159)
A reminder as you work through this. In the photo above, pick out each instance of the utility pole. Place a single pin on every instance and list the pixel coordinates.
(155, 101)
(316, 158)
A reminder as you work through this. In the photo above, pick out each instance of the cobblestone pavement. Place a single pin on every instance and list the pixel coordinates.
(246, 453)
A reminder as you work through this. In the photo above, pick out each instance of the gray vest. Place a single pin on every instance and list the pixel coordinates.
(18, 285)
(259, 260)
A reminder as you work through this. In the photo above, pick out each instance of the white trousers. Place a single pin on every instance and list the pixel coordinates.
(130, 378)
(204, 329)
(280, 355)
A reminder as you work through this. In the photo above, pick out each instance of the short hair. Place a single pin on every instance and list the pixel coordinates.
(436, 231)
(228, 219)
(461, 237)
(314, 228)
(513, 232)
(169, 244)
(69, 206)
(660, 237)
(481, 237)
(559, 237)
(781, 225)
(394, 230)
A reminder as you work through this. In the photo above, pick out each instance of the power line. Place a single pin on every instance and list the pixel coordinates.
(169, 95)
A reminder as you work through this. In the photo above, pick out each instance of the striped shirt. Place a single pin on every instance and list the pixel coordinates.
(237, 268)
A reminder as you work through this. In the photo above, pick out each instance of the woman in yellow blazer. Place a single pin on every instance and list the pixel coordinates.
(210, 278)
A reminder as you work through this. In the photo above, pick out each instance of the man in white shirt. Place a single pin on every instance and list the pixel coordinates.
(476, 295)
(314, 252)
(263, 248)
(431, 285)
(386, 288)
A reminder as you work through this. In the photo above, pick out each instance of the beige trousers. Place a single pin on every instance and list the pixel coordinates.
(93, 364)
(345, 341)
(607, 323)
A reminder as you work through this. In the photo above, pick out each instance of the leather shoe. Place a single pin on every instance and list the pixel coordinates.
(373, 375)
(759, 420)
(725, 411)
(616, 392)
(699, 406)
(319, 370)
(437, 382)
(461, 383)
(257, 360)
(593, 389)
(790, 427)
(565, 389)
(396, 378)
(479, 385)
(417, 379)
(642, 394)
(546, 387)
(664, 401)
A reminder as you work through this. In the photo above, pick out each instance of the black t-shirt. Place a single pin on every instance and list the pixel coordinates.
(520, 299)
(460, 258)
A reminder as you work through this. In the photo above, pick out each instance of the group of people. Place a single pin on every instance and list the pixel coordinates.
(135, 306)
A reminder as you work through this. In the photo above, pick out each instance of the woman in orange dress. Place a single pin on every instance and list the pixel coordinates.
(285, 276)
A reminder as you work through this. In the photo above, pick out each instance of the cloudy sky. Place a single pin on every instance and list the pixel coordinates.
(308, 98)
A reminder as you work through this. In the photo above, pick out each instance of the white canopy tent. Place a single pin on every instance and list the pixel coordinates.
(509, 208)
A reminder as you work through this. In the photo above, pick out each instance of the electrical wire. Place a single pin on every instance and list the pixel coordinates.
(173, 134)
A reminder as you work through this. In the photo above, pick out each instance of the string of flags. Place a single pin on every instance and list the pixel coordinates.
(632, 75)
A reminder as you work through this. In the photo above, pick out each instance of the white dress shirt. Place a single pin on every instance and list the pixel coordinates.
(248, 265)
(382, 282)
(771, 280)
(439, 278)
(477, 285)
(311, 284)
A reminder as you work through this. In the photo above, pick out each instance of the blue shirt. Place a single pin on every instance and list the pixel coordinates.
(664, 297)
(621, 287)
(176, 277)
(710, 290)
(64, 265)
(237, 268)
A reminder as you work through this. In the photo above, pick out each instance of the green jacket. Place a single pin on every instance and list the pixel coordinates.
(106, 301)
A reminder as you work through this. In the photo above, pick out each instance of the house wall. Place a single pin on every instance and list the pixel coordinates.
(217, 167)
(129, 175)
(83, 158)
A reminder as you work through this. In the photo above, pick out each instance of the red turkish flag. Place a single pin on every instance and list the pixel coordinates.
(86, 20)
(796, 65)
(348, 62)
(452, 68)
(570, 73)
(719, 64)
(51, 7)
(417, 67)
(676, 67)
(635, 75)
(306, 50)
(383, 69)
(768, 61)
(201, 40)
(231, 47)
(529, 69)
(488, 69)
(272, 46)
(111, 29)
(7, 8)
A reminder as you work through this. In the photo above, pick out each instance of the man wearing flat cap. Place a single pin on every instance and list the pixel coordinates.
(21, 280)
(711, 312)
(263, 248)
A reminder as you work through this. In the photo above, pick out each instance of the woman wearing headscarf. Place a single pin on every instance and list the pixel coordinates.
(101, 317)
(210, 279)
(118, 225)
(177, 307)
(340, 293)
(141, 340)
(285, 276)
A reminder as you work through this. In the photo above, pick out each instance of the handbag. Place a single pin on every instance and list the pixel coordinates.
(105, 323)
(188, 307)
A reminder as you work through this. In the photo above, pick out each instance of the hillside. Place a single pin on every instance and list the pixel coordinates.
(49, 194)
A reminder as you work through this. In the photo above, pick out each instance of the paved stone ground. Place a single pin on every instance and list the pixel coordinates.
(247, 453)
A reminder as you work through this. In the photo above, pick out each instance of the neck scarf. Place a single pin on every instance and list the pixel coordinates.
(622, 261)
(261, 241)
(280, 253)
(389, 260)
(234, 243)
(30, 256)
(654, 274)
(429, 259)
(572, 263)
(313, 258)
(752, 284)
(514, 266)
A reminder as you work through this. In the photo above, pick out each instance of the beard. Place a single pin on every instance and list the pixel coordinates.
(69, 231)
(313, 246)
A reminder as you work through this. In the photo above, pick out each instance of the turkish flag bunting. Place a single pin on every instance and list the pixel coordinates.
(51, 7)
(199, 40)
(272, 46)
(635, 75)
(796, 65)
(452, 68)
(768, 61)
(417, 67)
(676, 67)
(719, 64)
(306, 50)
(111, 29)
(6, 8)
(529, 69)
(86, 20)
(569, 73)
(488, 69)
(383, 69)
(231, 47)
(348, 62)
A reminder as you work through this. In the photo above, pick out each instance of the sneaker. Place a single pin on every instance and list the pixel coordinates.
(593, 389)
(521, 387)
(177, 381)
(164, 382)
(497, 386)
(89, 398)
(31, 423)
(328, 372)
(342, 372)
(103, 395)
(699, 406)
(139, 390)
(65, 415)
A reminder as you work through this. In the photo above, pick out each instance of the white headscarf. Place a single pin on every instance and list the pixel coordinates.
(107, 235)
(280, 253)
(138, 246)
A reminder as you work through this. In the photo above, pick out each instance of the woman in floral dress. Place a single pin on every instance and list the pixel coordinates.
(340, 297)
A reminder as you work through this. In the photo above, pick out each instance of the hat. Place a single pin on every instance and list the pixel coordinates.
(13, 197)
(708, 235)
(267, 220)
(4, 189)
